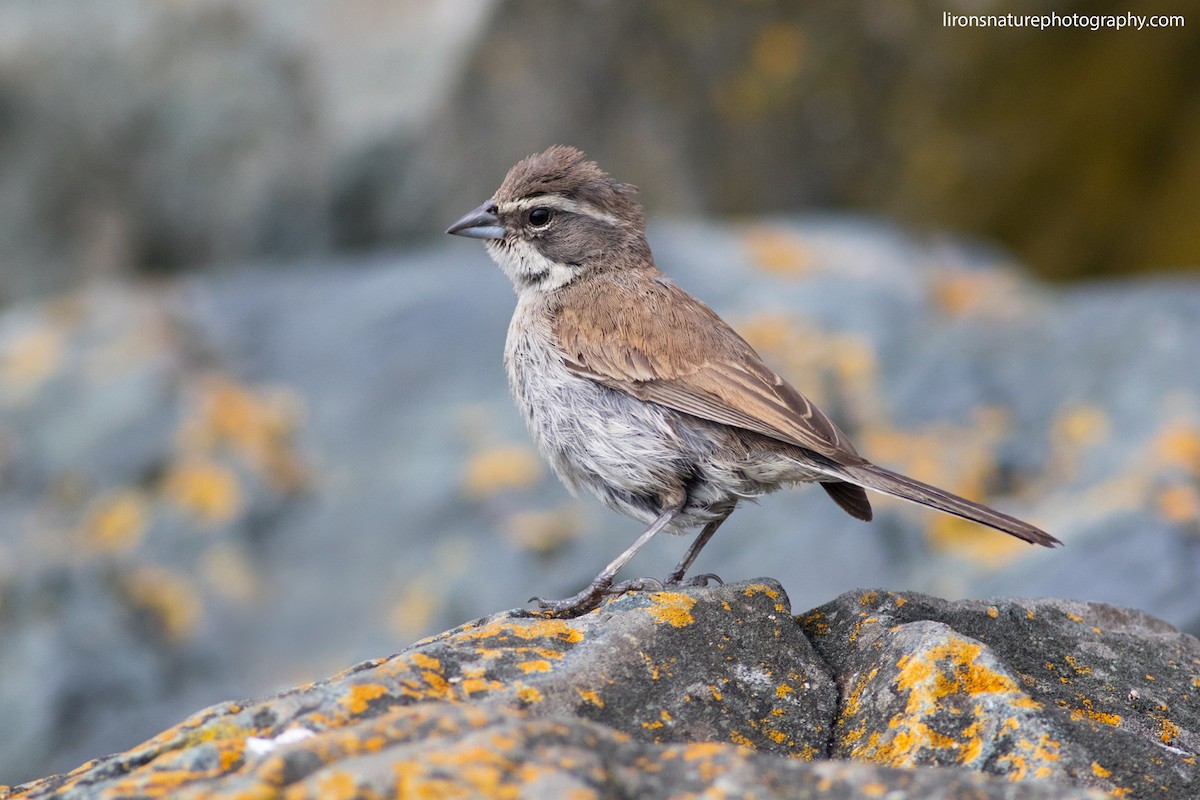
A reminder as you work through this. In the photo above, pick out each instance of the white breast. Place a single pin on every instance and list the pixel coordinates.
(594, 437)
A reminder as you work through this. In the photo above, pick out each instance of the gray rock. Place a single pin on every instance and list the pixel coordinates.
(1081, 693)
(662, 694)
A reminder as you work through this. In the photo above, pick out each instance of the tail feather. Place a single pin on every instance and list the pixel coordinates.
(851, 498)
(883, 480)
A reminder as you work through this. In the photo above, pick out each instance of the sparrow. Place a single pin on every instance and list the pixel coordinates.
(639, 393)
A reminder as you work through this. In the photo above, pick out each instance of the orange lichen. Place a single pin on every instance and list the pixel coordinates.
(29, 359)
(938, 677)
(529, 694)
(1179, 503)
(207, 490)
(544, 532)
(525, 629)
(591, 696)
(673, 608)
(1080, 425)
(816, 621)
(698, 750)
(337, 785)
(1086, 711)
(538, 665)
(169, 596)
(1033, 759)
(740, 739)
(962, 292)
(258, 425)
(474, 680)
(359, 697)
(115, 522)
(505, 467)
(1178, 444)
(777, 251)
(415, 610)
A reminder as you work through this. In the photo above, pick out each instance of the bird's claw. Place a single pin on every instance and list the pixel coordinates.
(589, 599)
(636, 585)
(703, 579)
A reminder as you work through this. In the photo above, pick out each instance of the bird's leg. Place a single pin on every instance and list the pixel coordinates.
(589, 598)
(676, 576)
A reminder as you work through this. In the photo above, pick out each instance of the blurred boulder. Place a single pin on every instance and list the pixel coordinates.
(142, 137)
(138, 136)
(1072, 147)
(216, 486)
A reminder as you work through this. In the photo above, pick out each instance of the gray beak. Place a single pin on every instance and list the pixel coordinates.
(482, 223)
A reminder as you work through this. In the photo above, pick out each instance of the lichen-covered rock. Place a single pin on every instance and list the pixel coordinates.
(1082, 693)
(716, 691)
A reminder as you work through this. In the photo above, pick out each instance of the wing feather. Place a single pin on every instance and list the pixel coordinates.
(648, 338)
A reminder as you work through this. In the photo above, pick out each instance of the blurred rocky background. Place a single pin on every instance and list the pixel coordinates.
(253, 423)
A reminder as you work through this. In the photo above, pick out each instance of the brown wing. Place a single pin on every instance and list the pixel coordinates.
(639, 333)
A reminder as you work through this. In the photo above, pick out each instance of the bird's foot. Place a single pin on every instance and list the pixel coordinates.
(670, 582)
(587, 600)
(636, 585)
(703, 579)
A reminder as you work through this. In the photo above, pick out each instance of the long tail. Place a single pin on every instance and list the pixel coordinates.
(870, 476)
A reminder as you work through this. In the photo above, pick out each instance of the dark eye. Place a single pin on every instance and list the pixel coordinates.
(540, 217)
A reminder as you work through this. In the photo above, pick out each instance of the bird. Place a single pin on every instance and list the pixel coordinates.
(638, 392)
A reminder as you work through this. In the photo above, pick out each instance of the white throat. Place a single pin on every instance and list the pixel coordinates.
(527, 268)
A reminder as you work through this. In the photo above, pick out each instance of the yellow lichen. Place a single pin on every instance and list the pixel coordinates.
(740, 739)
(777, 251)
(169, 596)
(1086, 711)
(359, 697)
(940, 677)
(525, 629)
(115, 522)
(529, 694)
(415, 610)
(29, 359)
(505, 467)
(257, 424)
(208, 491)
(1180, 503)
(673, 608)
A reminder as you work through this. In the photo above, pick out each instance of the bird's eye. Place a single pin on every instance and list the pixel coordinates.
(540, 217)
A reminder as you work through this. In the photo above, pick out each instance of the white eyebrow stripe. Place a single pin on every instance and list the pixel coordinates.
(561, 203)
